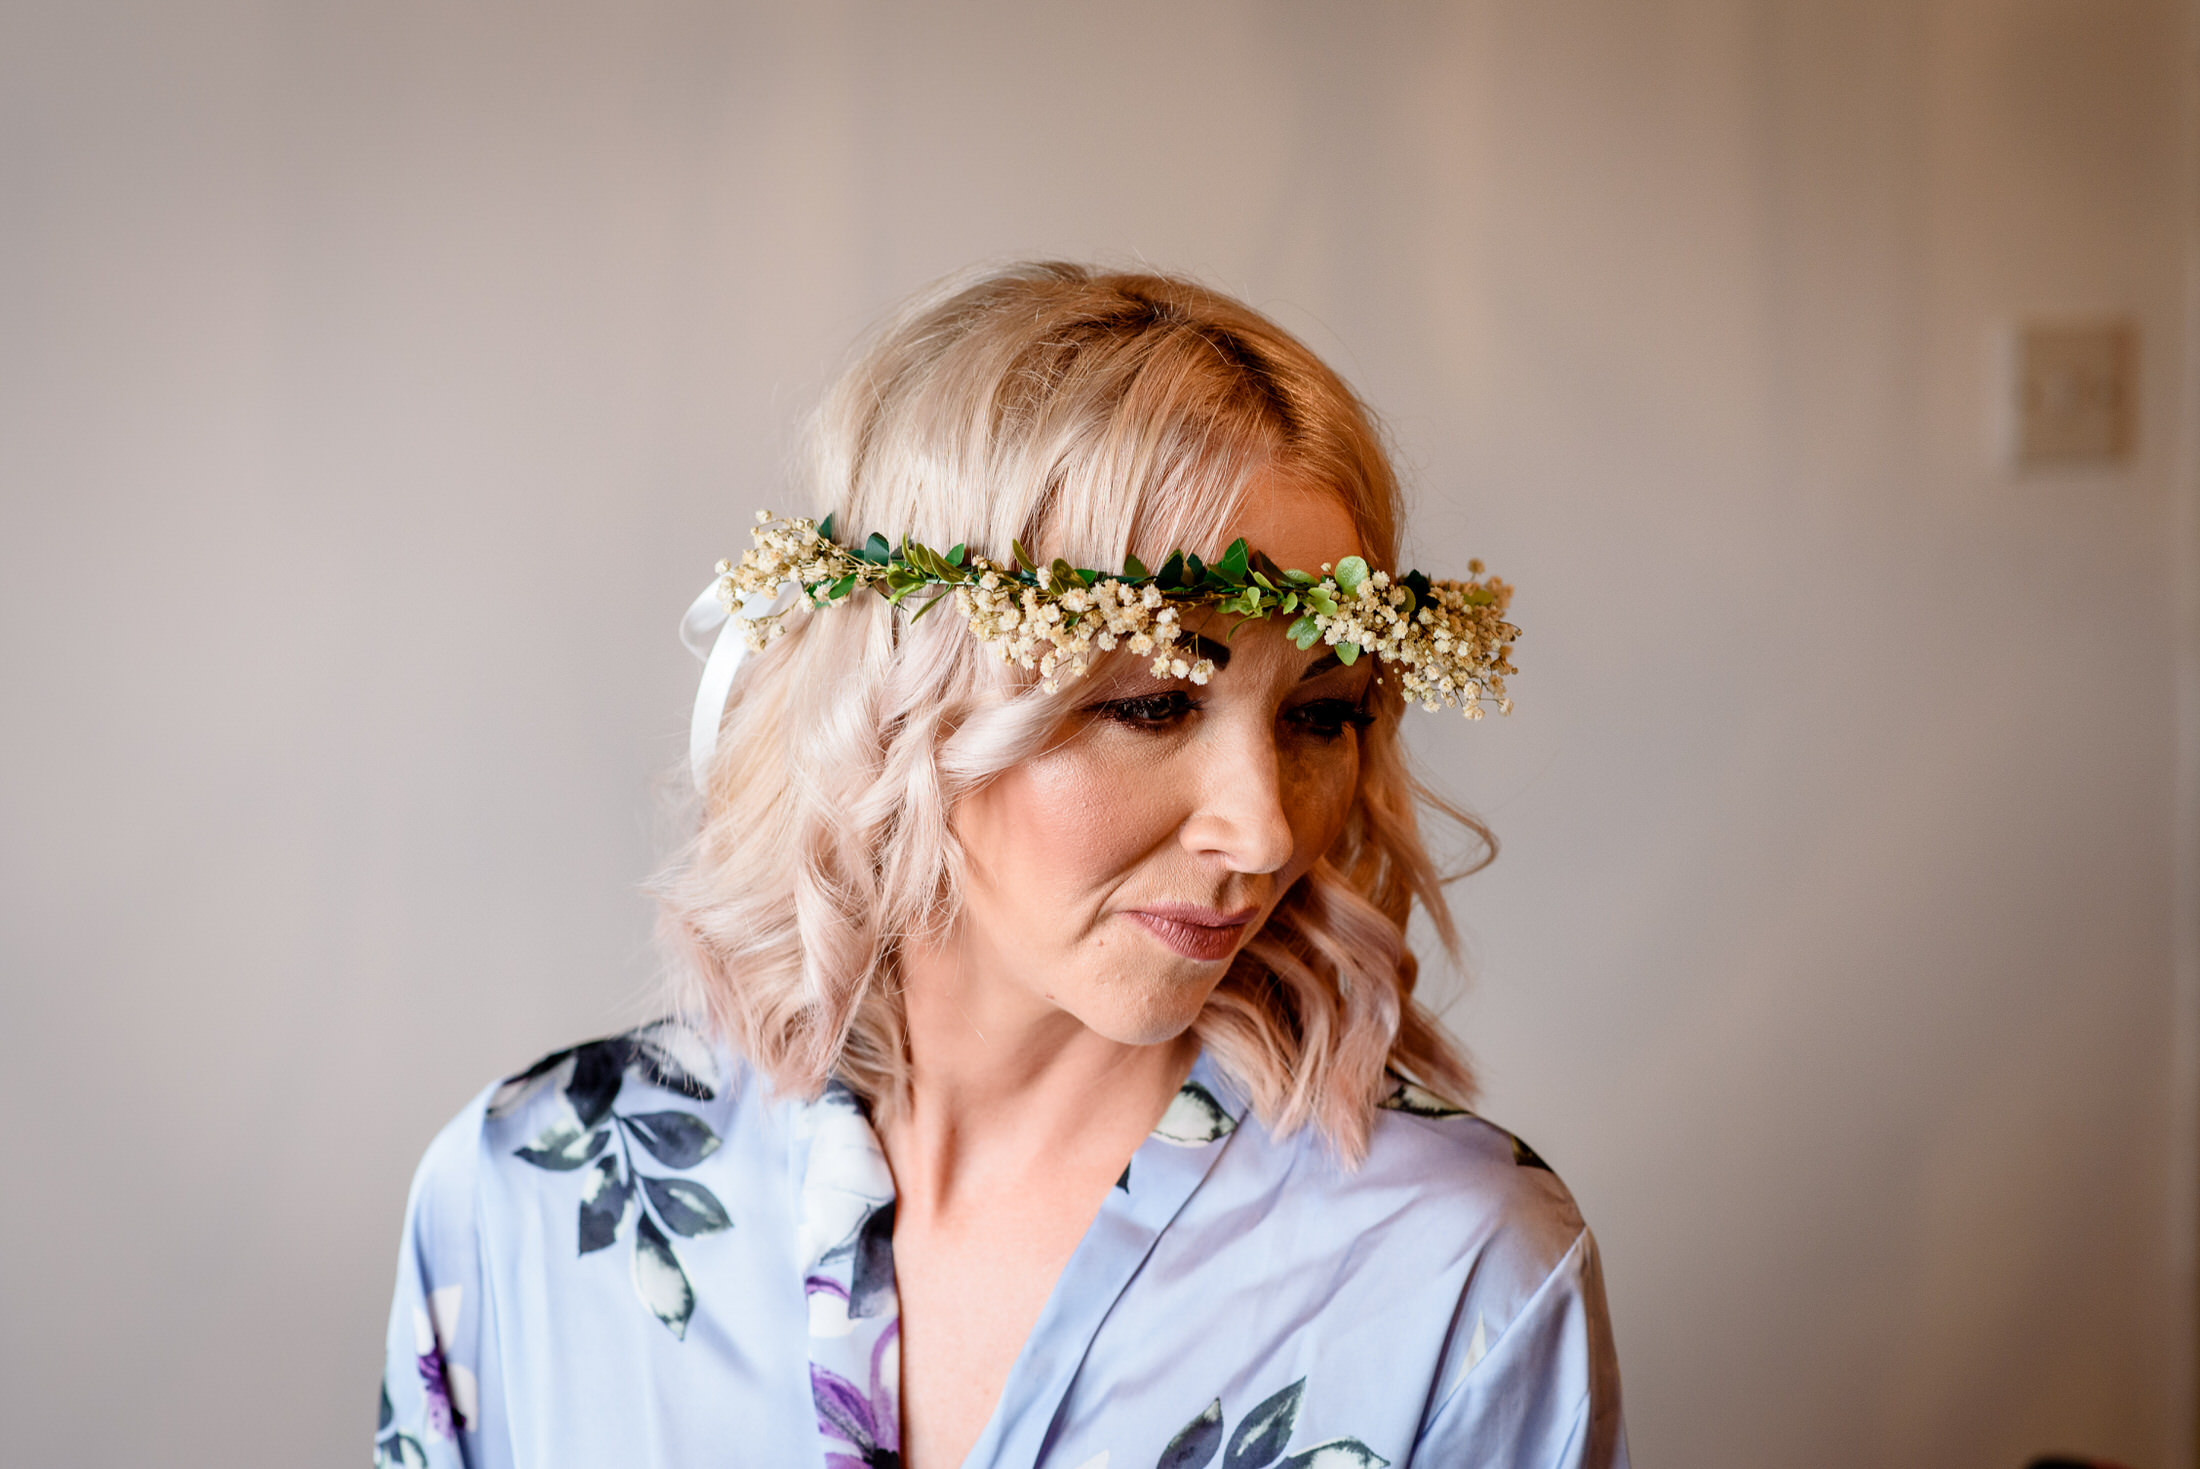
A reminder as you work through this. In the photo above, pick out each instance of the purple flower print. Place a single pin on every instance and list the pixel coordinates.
(870, 1425)
(443, 1415)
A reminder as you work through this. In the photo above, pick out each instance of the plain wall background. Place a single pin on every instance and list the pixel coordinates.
(379, 382)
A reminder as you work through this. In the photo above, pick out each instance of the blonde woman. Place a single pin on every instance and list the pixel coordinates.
(1049, 1087)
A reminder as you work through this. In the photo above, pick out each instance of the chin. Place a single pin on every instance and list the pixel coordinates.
(1151, 1016)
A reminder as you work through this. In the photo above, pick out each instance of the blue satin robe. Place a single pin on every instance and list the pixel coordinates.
(631, 1255)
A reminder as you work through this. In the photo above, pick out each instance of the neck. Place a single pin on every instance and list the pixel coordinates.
(1004, 1084)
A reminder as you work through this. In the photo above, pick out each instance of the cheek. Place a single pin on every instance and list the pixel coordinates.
(1059, 828)
(1318, 785)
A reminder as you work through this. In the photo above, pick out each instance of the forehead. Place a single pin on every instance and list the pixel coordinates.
(1296, 525)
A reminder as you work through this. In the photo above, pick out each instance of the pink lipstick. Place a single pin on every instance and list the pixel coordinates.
(1206, 934)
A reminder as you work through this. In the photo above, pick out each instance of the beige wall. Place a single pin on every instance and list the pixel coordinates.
(377, 382)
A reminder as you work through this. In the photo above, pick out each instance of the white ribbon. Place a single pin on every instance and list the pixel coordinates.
(718, 638)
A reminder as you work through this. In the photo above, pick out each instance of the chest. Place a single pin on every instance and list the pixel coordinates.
(973, 1283)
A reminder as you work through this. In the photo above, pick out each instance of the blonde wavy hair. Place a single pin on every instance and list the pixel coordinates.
(1090, 415)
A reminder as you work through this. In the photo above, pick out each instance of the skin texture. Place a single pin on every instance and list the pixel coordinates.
(1049, 1029)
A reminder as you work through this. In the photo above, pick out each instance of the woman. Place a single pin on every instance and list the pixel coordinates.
(1053, 1090)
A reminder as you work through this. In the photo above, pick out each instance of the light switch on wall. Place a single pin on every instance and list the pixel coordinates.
(2077, 391)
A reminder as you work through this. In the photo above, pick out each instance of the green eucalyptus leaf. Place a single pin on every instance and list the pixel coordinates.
(1195, 570)
(955, 556)
(1348, 653)
(1302, 630)
(876, 551)
(1300, 578)
(825, 527)
(1319, 599)
(927, 607)
(1481, 597)
(1134, 569)
(1290, 603)
(1023, 557)
(1172, 571)
(1059, 576)
(1260, 580)
(1416, 583)
(1351, 572)
(1087, 575)
(1233, 563)
(842, 587)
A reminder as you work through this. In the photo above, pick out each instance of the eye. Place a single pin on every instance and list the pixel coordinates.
(1327, 719)
(1159, 711)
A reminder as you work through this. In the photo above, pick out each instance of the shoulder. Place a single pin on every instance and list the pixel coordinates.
(670, 1087)
(1488, 1185)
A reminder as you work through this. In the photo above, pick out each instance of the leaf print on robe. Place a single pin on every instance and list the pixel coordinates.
(393, 1449)
(1338, 1453)
(659, 1280)
(584, 1083)
(1265, 1431)
(1194, 1118)
(1261, 1436)
(1195, 1443)
(1419, 1101)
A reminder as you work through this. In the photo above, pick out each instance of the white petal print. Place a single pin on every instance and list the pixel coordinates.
(1194, 1118)
(465, 1391)
(443, 1313)
(1479, 1346)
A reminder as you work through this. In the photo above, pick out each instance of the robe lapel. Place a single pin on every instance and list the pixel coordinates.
(1163, 1174)
(847, 1254)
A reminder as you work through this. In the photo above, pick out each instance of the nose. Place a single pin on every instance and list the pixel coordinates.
(1239, 817)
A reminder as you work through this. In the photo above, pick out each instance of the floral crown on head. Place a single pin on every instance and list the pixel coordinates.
(1446, 642)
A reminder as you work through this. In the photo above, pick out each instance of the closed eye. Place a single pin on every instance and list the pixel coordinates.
(1161, 711)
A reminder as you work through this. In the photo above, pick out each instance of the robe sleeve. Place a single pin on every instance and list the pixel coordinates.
(1545, 1393)
(431, 1407)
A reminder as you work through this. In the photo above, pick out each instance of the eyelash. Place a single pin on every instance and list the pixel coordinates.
(1325, 719)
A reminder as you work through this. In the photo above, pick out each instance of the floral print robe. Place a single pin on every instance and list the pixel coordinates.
(631, 1254)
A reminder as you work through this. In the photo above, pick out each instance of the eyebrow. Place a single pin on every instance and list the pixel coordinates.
(1219, 655)
(1214, 652)
(1321, 666)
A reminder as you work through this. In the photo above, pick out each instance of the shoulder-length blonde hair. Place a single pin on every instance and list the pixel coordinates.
(1091, 416)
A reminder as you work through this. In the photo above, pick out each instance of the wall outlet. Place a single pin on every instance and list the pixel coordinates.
(2077, 392)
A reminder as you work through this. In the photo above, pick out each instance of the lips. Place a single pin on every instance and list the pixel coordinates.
(1199, 933)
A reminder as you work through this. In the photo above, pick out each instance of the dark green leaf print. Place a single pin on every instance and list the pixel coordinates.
(561, 1148)
(400, 1451)
(1420, 1102)
(394, 1450)
(659, 1280)
(598, 1068)
(1194, 1446)
(589, 1080)
(604, 1201)
(686, 1206)
(1261, 1438)
(1338, 1453)
(1527, 1157)
(871, 1280)
(675, 1139)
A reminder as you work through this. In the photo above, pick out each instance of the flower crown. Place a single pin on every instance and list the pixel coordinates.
(1446, 641)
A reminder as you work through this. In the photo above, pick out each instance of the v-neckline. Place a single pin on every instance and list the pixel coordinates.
(846, 1213)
